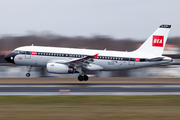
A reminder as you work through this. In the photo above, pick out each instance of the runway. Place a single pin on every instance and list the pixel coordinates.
(90, 89)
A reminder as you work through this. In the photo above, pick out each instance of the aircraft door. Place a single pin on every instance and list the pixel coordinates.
(28, 54)
(131, 59)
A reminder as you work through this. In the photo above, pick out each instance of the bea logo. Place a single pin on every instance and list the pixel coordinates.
(158, 41)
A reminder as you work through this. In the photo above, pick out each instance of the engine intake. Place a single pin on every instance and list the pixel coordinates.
(59, 68)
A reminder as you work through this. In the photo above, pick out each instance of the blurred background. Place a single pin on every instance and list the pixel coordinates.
(92, 24)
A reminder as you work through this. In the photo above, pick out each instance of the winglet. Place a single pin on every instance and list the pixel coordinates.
(96, 55)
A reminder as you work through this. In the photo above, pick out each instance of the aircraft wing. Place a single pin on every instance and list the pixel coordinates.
(81, 61)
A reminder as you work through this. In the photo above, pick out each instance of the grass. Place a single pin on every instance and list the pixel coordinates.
(89, 107)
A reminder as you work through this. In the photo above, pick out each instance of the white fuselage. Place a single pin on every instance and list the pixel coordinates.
(106, 60)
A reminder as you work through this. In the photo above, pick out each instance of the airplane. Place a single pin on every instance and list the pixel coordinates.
(60, 60)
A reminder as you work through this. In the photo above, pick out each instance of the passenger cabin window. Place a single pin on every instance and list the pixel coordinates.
(28, 52)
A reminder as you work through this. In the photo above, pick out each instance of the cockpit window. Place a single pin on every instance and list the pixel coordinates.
(16, 51)
(19, 52)
(22, 52)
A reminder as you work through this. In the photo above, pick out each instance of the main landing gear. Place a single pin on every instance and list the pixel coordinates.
(29, 69)
(83, 78)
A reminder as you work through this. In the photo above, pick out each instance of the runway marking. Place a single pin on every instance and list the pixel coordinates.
(64, 91)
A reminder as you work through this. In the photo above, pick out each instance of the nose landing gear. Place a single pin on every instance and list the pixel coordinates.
(28, 74)
(29, 69)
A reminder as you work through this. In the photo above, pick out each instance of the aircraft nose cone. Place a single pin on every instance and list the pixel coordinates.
(10, 57)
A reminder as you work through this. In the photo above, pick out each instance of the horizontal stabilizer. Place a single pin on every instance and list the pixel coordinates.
(155, 59)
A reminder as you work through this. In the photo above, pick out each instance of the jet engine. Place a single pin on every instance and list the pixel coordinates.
(59, 68)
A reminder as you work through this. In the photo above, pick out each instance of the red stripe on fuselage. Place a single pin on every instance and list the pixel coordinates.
(33, 53)
(137, 59)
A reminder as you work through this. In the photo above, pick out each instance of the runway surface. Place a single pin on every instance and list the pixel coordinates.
(90, 81)
(90, 89)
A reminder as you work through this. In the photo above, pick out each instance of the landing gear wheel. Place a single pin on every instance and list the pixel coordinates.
(80, 78)
(27, 74)
(83, 78)
(86, 78)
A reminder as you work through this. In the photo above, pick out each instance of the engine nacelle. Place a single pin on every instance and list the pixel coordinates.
(59, 68)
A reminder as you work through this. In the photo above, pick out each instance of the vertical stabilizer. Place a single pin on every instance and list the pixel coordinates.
(156, 42)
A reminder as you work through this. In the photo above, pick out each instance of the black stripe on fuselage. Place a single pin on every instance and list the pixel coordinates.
(81, 56)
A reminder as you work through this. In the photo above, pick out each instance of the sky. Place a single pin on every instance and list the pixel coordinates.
(119, 19)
